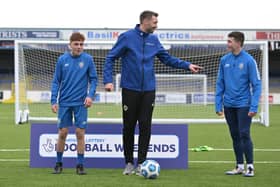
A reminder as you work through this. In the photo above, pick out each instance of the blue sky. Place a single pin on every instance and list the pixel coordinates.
(184, 14)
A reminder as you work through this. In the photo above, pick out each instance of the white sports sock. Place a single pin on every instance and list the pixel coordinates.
(241, 166)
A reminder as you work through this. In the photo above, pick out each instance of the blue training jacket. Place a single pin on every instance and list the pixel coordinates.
(71, 80)
(238, 82)
(137, 50)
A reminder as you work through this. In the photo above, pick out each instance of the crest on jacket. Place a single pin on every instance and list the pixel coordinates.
(81, 64)
(241, 66)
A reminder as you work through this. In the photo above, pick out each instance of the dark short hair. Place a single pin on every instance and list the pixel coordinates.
(238, 36)
(77, 36)
(147, 14)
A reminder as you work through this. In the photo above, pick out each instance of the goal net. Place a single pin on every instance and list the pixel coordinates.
(181, 96)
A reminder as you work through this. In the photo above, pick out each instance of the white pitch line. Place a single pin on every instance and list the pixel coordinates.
(14, 160)
(259, 150)
(271, 150)
(229, 162)
(190, 149)
(190, 161)
(14, 150)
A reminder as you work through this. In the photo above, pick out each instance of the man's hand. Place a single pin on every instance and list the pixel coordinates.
(54, 108)
(88, 102)
(195, 68)
(109, 87)
(252, 114)
(221, 114)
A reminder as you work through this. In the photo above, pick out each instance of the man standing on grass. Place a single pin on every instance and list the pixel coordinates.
(137, 49)
(238, 91)
(73, 89)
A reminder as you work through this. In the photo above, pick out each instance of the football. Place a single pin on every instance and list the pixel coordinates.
(150, 169)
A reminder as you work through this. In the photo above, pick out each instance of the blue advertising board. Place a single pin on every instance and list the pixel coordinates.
(104, 149)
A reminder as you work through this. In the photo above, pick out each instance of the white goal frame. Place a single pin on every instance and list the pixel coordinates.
(263, 119)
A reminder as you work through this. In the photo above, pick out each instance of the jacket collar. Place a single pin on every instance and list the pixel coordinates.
(141, 33)
(240, 53)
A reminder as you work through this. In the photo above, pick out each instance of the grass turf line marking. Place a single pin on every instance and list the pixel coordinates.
(191, 161)
(229, 162)
(256, 149)
(215, 149)
(14, 150)
(14, 160)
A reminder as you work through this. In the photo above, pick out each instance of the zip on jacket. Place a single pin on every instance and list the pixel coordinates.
(137, 51)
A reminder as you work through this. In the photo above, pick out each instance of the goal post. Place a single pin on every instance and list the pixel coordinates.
(181, 96)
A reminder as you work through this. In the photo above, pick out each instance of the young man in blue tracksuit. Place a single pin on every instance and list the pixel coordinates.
(238, 91)
(73, 88)
(137, 49)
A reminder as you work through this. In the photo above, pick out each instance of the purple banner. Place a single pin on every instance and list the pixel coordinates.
(104, 149)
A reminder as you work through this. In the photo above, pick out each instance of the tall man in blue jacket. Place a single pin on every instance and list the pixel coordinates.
(137, 49)
(238, 90)
(73, 88)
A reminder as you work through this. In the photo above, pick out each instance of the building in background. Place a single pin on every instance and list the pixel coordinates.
(8, 36)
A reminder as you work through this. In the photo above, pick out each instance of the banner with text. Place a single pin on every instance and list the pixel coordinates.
(104, 148)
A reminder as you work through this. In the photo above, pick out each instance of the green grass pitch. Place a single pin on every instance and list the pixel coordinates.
(205, 168)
